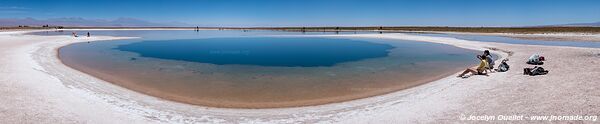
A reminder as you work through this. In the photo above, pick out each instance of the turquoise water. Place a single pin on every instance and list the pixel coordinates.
(262, 51)
(188, 34)
(262, 69)
(183, 34)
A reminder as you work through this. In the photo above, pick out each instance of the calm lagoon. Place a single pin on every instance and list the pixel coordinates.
(262, 69)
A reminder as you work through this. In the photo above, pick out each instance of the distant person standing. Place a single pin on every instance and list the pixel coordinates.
(88, 34)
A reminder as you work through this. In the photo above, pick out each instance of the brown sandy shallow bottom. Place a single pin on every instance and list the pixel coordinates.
(228, 104)
(340, 96)
(221, 94)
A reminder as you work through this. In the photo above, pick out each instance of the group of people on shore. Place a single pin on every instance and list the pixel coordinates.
(486, 65)
(75, 34)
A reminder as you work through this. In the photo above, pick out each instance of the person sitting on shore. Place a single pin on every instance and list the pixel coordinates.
(489, 59)
(480, 70)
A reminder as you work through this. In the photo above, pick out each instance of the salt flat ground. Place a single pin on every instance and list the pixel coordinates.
(37, 88)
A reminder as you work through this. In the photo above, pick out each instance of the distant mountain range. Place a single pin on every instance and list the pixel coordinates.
(81, 22)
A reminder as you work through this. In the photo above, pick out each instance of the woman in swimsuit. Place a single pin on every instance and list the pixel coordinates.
(480, 70)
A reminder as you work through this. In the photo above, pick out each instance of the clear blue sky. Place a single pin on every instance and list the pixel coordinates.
(317, 12)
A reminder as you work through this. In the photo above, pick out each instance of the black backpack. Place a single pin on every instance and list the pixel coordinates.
(535, 71)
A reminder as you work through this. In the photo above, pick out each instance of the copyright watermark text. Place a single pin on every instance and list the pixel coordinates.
(550, 118)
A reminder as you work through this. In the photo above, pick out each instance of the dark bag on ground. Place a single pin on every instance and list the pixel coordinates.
(535, 62)
(535, 71)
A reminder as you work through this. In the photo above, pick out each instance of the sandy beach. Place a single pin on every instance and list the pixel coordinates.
(38, 88)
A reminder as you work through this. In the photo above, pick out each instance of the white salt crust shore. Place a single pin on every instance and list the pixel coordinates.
(579, 37)
(37, 88)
